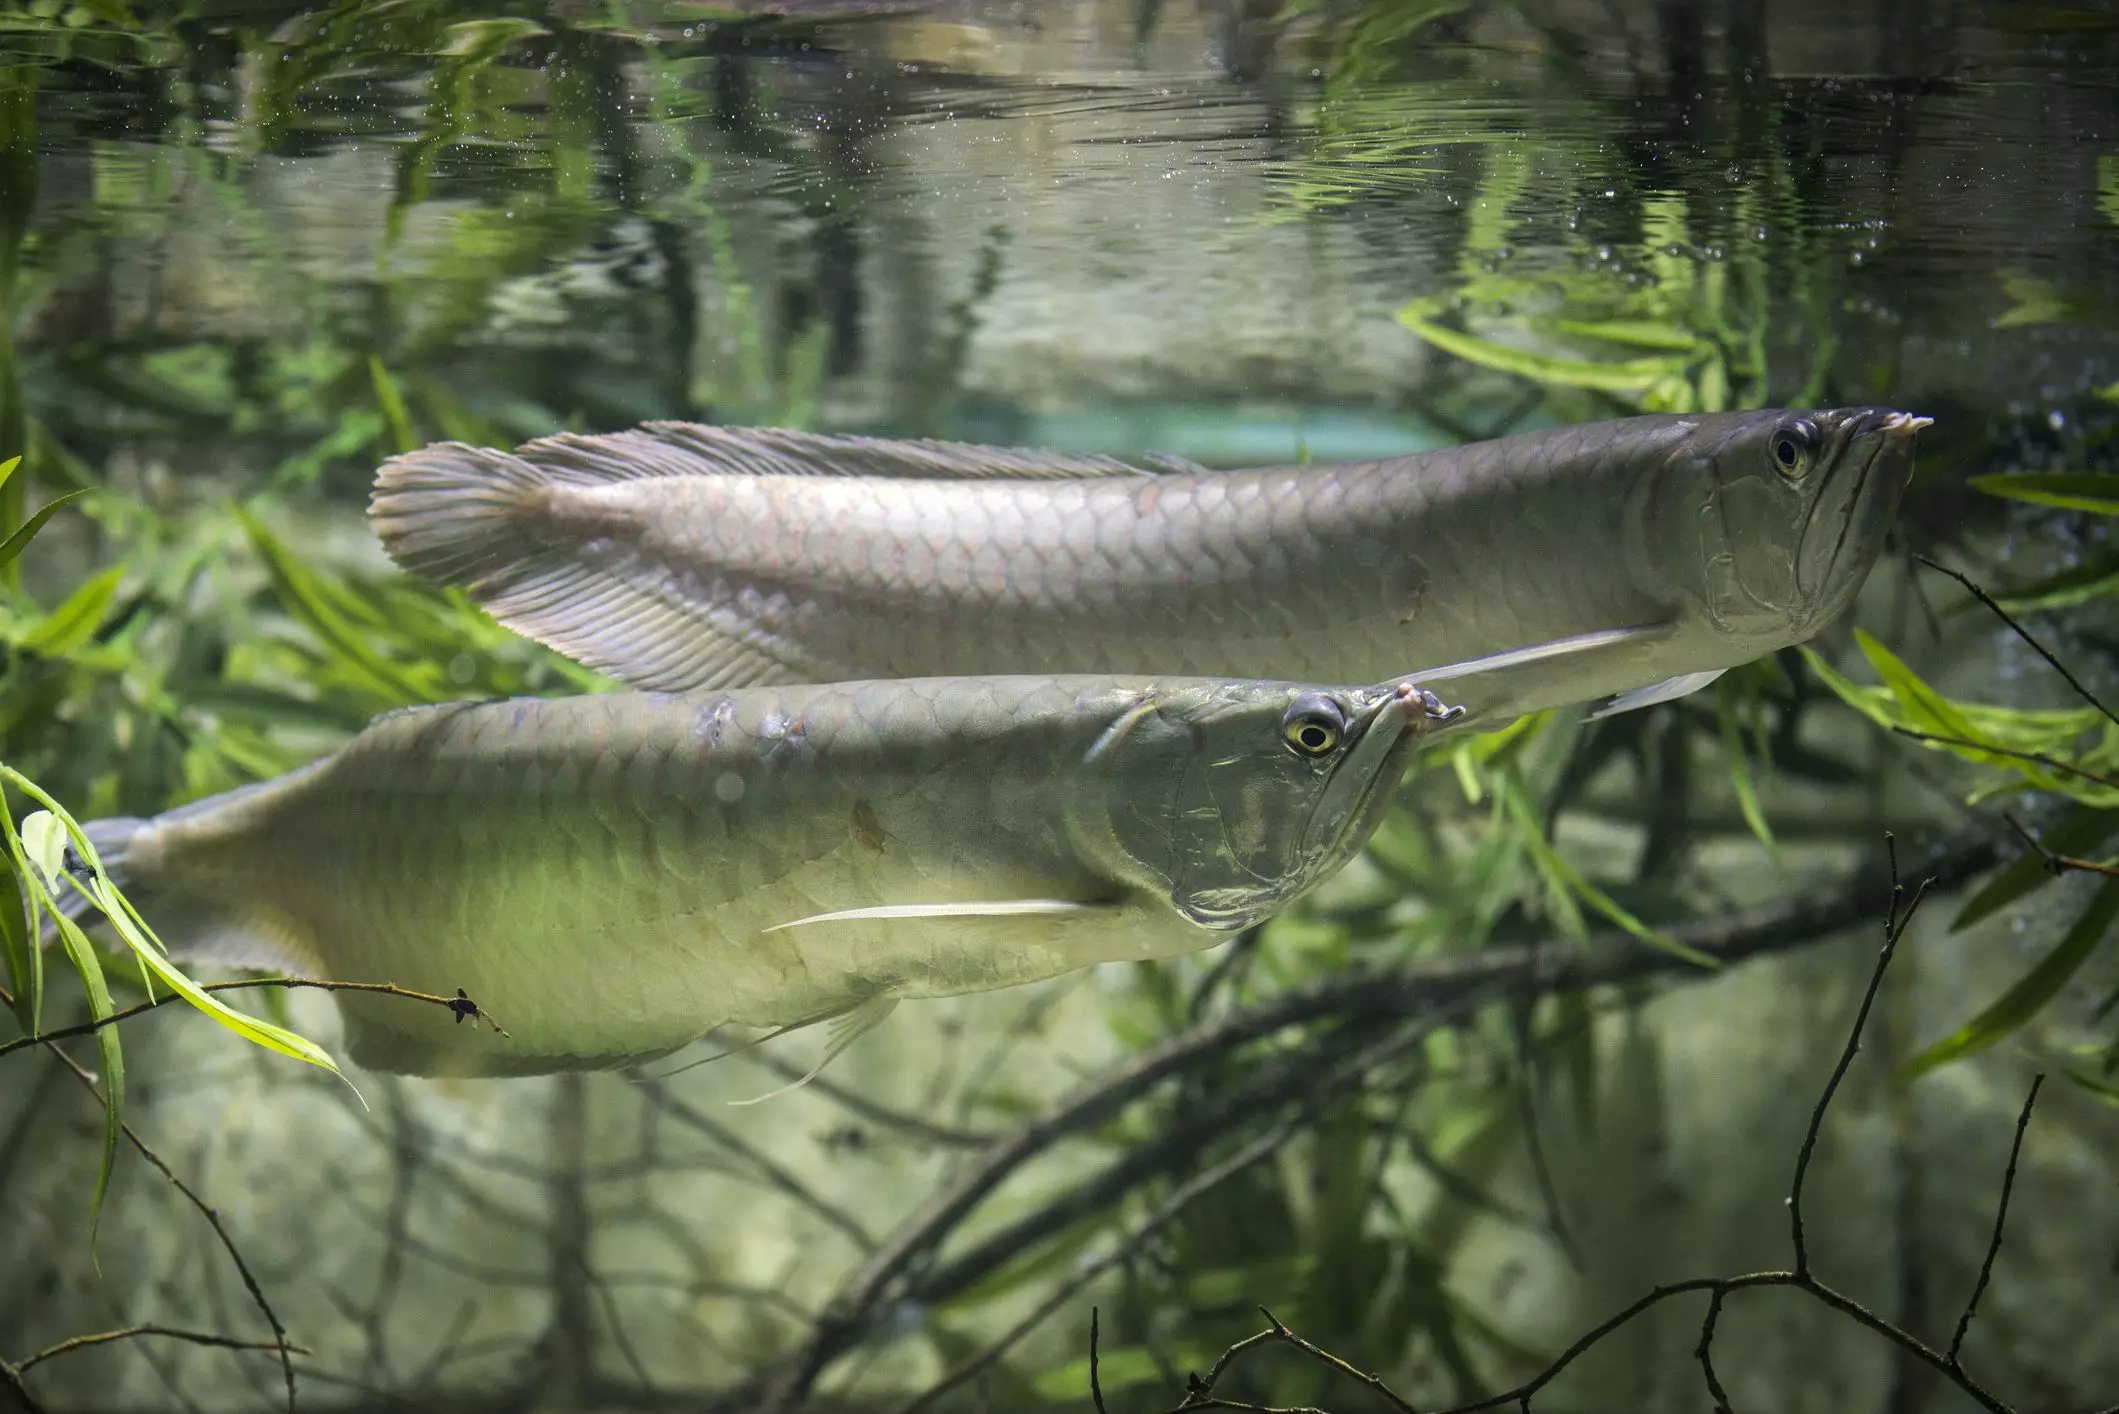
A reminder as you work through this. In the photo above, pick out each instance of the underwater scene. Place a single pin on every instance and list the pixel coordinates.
(1124, 706)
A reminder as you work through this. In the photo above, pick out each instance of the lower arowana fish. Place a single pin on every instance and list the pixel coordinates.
(1624, 562)
(612, 876)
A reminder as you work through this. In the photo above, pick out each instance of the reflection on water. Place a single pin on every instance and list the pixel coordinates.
(1096, 226)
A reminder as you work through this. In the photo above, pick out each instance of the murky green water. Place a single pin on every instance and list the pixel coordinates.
(249, 251)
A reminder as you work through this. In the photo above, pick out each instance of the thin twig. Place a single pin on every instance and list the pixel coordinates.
(2001, 1218)
(1894, 928)
(83, 1342)
(461, 1005)
(1096, 1383)
(2059, 863)
(2039, 757)
(2025, 634)
(1704, 1353)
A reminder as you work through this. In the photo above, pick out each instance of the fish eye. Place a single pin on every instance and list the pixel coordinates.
(1793, 448)
(1314, 726)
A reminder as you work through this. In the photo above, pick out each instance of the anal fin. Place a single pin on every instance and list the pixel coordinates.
(846, 1028)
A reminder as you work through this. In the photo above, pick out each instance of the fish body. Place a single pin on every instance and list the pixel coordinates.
(612, 876)
(1638, 556)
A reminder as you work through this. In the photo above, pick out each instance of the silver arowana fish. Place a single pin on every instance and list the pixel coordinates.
(1631, 560)
(613, 876)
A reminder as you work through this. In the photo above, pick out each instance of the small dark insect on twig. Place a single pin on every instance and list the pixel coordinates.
(1948, 1363)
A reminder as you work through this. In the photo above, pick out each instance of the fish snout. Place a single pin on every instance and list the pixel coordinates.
(1421, 706)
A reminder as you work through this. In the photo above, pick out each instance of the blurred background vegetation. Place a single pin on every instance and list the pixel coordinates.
(249, 250)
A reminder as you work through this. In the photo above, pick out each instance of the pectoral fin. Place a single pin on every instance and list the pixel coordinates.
(1669, 689)
(1581, 645)
(995, 908)
(845, 1029)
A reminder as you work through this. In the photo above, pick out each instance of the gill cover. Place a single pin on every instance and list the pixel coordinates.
(1233, 800)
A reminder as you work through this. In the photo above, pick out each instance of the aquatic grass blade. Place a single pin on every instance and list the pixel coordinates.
(2062, 490)
(18, 944)
(12, 548)
(76, 619)
(7, 469)
(141, 938)
(2037, 987)
(391, 403)
(1635, 377)
(1740, 779)
(82, 954)
(1550, 862)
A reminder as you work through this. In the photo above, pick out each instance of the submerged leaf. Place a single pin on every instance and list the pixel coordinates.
(2037, 987)
(76, 620)
(82, 954)
(2066, 490)
(1739, 766)
(12, 548)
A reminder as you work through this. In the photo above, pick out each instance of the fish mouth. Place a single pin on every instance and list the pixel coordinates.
(1860, 513)
(1387, 730)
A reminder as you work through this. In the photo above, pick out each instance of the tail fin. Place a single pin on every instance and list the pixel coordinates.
(194, 928)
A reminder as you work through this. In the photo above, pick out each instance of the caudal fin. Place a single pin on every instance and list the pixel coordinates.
(195, 928)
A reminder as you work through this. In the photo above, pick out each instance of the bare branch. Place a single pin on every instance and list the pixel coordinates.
(2025, 634)
(2051, 763)
(2001, 1218)
(83, 1342)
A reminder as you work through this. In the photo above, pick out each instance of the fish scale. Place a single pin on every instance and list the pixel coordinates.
(1607, 560)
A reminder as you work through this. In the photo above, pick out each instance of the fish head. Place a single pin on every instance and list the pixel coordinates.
(1768, 522)
(1232, 799)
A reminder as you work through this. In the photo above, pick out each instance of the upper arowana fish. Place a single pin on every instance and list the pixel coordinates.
(612, 876)
(1624, 562)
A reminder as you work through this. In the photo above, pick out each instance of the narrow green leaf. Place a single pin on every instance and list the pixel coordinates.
(14, 545)
(1740, 766)
(1550, 863)
(2097, 578)
(2066, 490)
(1925, 708)
(7, 469)
(391, 403)
(2037, 987)
(76, 620)
(82, 954)
(1637, 333)
(2101, 1089)
(1635, 376)
(17, 943)
(2078, 832)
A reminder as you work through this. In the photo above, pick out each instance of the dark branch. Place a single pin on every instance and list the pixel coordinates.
(83, 1342)
(1894, 927)
(2025, 634)
(2036, 757)
(2001, 1218)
